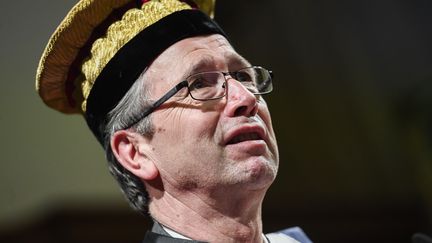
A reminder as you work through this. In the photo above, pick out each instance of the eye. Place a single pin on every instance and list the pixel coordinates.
(247, 77)
(198, 84)
(243, 76)
(203, 80)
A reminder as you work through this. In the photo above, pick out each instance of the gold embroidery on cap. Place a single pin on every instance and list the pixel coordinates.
(120, 33)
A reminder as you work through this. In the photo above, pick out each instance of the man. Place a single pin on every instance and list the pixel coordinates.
(178, 111)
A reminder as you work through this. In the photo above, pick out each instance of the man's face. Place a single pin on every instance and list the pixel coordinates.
(222, 143)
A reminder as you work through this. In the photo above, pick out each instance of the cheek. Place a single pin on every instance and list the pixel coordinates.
(188, 127)
(264, 113)
(185, 144)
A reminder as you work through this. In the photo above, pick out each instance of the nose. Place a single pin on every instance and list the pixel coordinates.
(240, 101)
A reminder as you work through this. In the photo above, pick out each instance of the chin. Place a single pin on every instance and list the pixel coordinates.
(261, 173)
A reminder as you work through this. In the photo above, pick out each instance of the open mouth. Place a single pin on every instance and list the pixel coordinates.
(245, 137)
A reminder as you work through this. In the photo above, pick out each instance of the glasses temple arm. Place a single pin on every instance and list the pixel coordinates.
(159, 102)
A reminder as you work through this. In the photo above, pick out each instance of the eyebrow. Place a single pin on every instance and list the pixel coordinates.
(236, 60)
(207, 62)
(203, 63)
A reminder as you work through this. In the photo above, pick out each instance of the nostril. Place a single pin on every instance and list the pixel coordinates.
(240, 111)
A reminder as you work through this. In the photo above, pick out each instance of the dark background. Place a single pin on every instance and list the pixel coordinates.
(351, 110)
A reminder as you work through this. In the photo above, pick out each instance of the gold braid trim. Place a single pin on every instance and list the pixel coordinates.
(120, 33)
(62, 48)
(59, 80)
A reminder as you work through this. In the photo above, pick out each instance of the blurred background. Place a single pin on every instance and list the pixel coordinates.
(351, 109)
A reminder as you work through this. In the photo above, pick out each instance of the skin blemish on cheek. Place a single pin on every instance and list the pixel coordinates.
(160, 129)
(189, 185)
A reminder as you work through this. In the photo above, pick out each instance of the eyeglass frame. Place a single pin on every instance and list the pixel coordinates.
(185, 84)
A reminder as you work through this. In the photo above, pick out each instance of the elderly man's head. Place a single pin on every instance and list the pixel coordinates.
(220, 140)
(177, 109)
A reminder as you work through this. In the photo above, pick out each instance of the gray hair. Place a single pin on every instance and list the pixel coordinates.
(128, 109)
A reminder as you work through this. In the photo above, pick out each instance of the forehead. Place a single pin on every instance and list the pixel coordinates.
(200, 53)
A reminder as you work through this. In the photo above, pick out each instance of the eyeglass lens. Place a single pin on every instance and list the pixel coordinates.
(211, 85)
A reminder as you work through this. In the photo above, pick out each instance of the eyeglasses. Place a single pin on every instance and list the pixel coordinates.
(213, 85)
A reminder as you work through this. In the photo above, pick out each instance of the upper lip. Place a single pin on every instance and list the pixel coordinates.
(243, 130)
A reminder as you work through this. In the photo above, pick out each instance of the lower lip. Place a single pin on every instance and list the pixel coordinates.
(255, 146)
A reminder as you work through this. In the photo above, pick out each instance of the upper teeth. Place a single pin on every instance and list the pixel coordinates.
(244, 137)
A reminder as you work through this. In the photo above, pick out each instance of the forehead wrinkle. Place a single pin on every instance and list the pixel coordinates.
(234, 59)
(211, 53)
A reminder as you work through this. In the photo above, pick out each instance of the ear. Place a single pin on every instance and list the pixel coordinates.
(131, 150)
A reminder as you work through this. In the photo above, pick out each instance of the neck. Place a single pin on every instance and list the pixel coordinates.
(212, 217)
